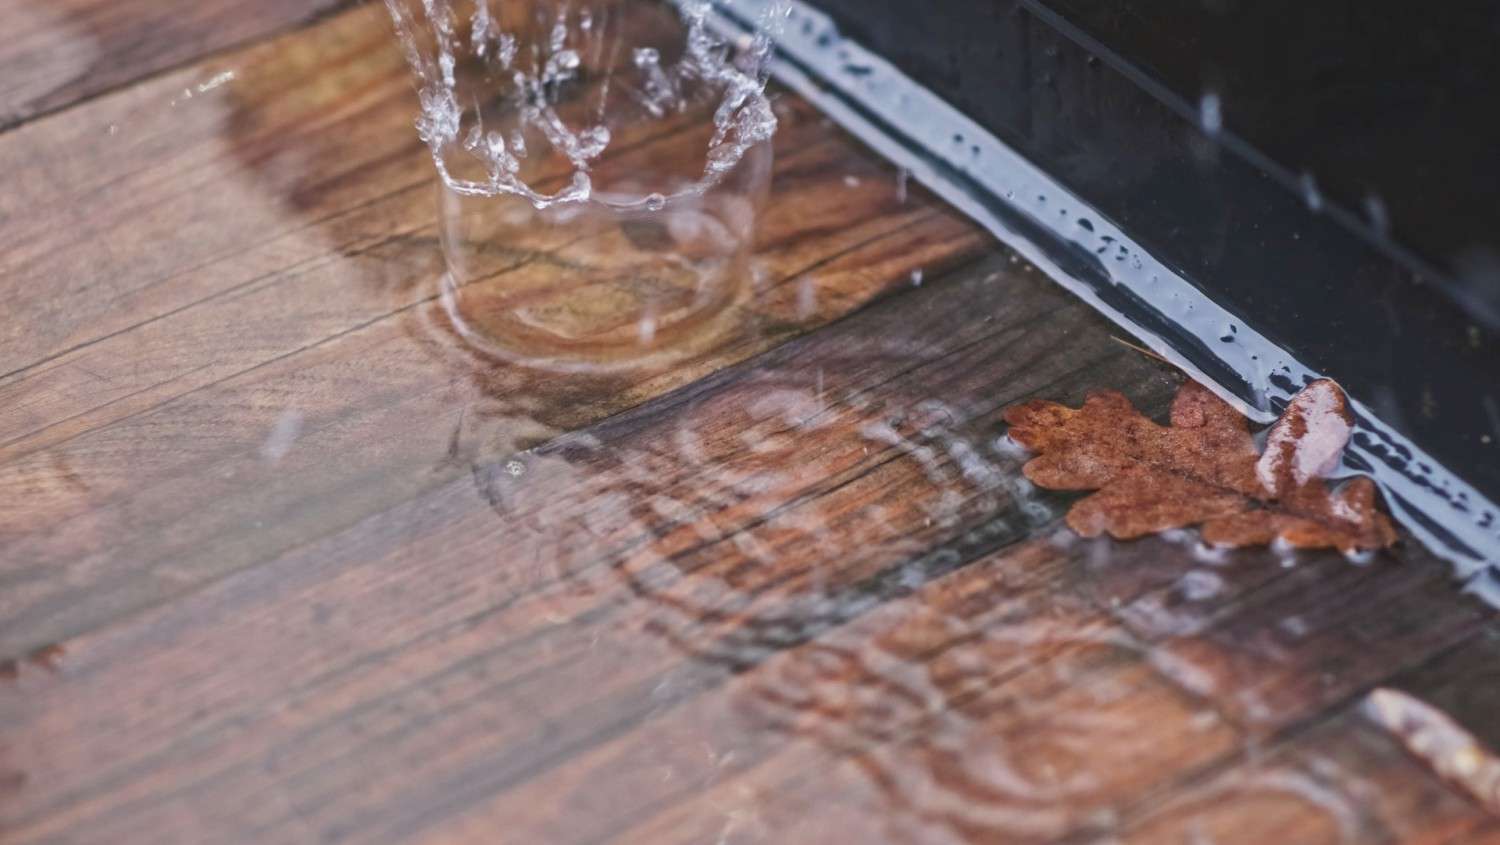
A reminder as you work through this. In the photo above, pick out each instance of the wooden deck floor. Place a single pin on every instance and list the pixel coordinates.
(281, 560)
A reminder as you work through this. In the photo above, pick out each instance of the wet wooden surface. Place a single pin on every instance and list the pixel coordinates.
(283, 560)
(59, 52)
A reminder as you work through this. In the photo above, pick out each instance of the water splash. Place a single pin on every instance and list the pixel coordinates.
(1211, 113)
(504, 85)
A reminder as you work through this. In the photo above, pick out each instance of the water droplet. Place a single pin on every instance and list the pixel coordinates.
(282, 437)
(1199, 585)
(1310, 193)
(1211, 113)
(1380, 216)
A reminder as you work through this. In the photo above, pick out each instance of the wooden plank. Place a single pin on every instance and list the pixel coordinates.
(309, 149)
(782, 578)
(791, 589)
(60, 52)
(1345, 781)
(985, 706)
(1464, 683)
(1274, 640)
(281, 560)
(313, 129)
(387, 627)
(118, 213)
(152, 407)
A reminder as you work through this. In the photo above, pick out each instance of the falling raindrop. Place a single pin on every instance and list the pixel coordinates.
(1211, 113)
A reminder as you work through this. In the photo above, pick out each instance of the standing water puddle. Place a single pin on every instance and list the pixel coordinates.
(835, 535)
(592, 485)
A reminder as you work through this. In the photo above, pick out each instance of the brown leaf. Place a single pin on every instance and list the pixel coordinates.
(1308, 441)
(1204, 469)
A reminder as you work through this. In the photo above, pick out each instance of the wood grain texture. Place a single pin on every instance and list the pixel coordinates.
(60, 52)
(801, 596)
(1464, 682)
(206, 335)
(1343, 781)
(652, 578)
(282, 560)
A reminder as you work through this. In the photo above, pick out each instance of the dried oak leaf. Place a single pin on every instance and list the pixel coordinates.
(1204, 469)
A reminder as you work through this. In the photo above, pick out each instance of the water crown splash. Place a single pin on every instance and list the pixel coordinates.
(506, 85)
